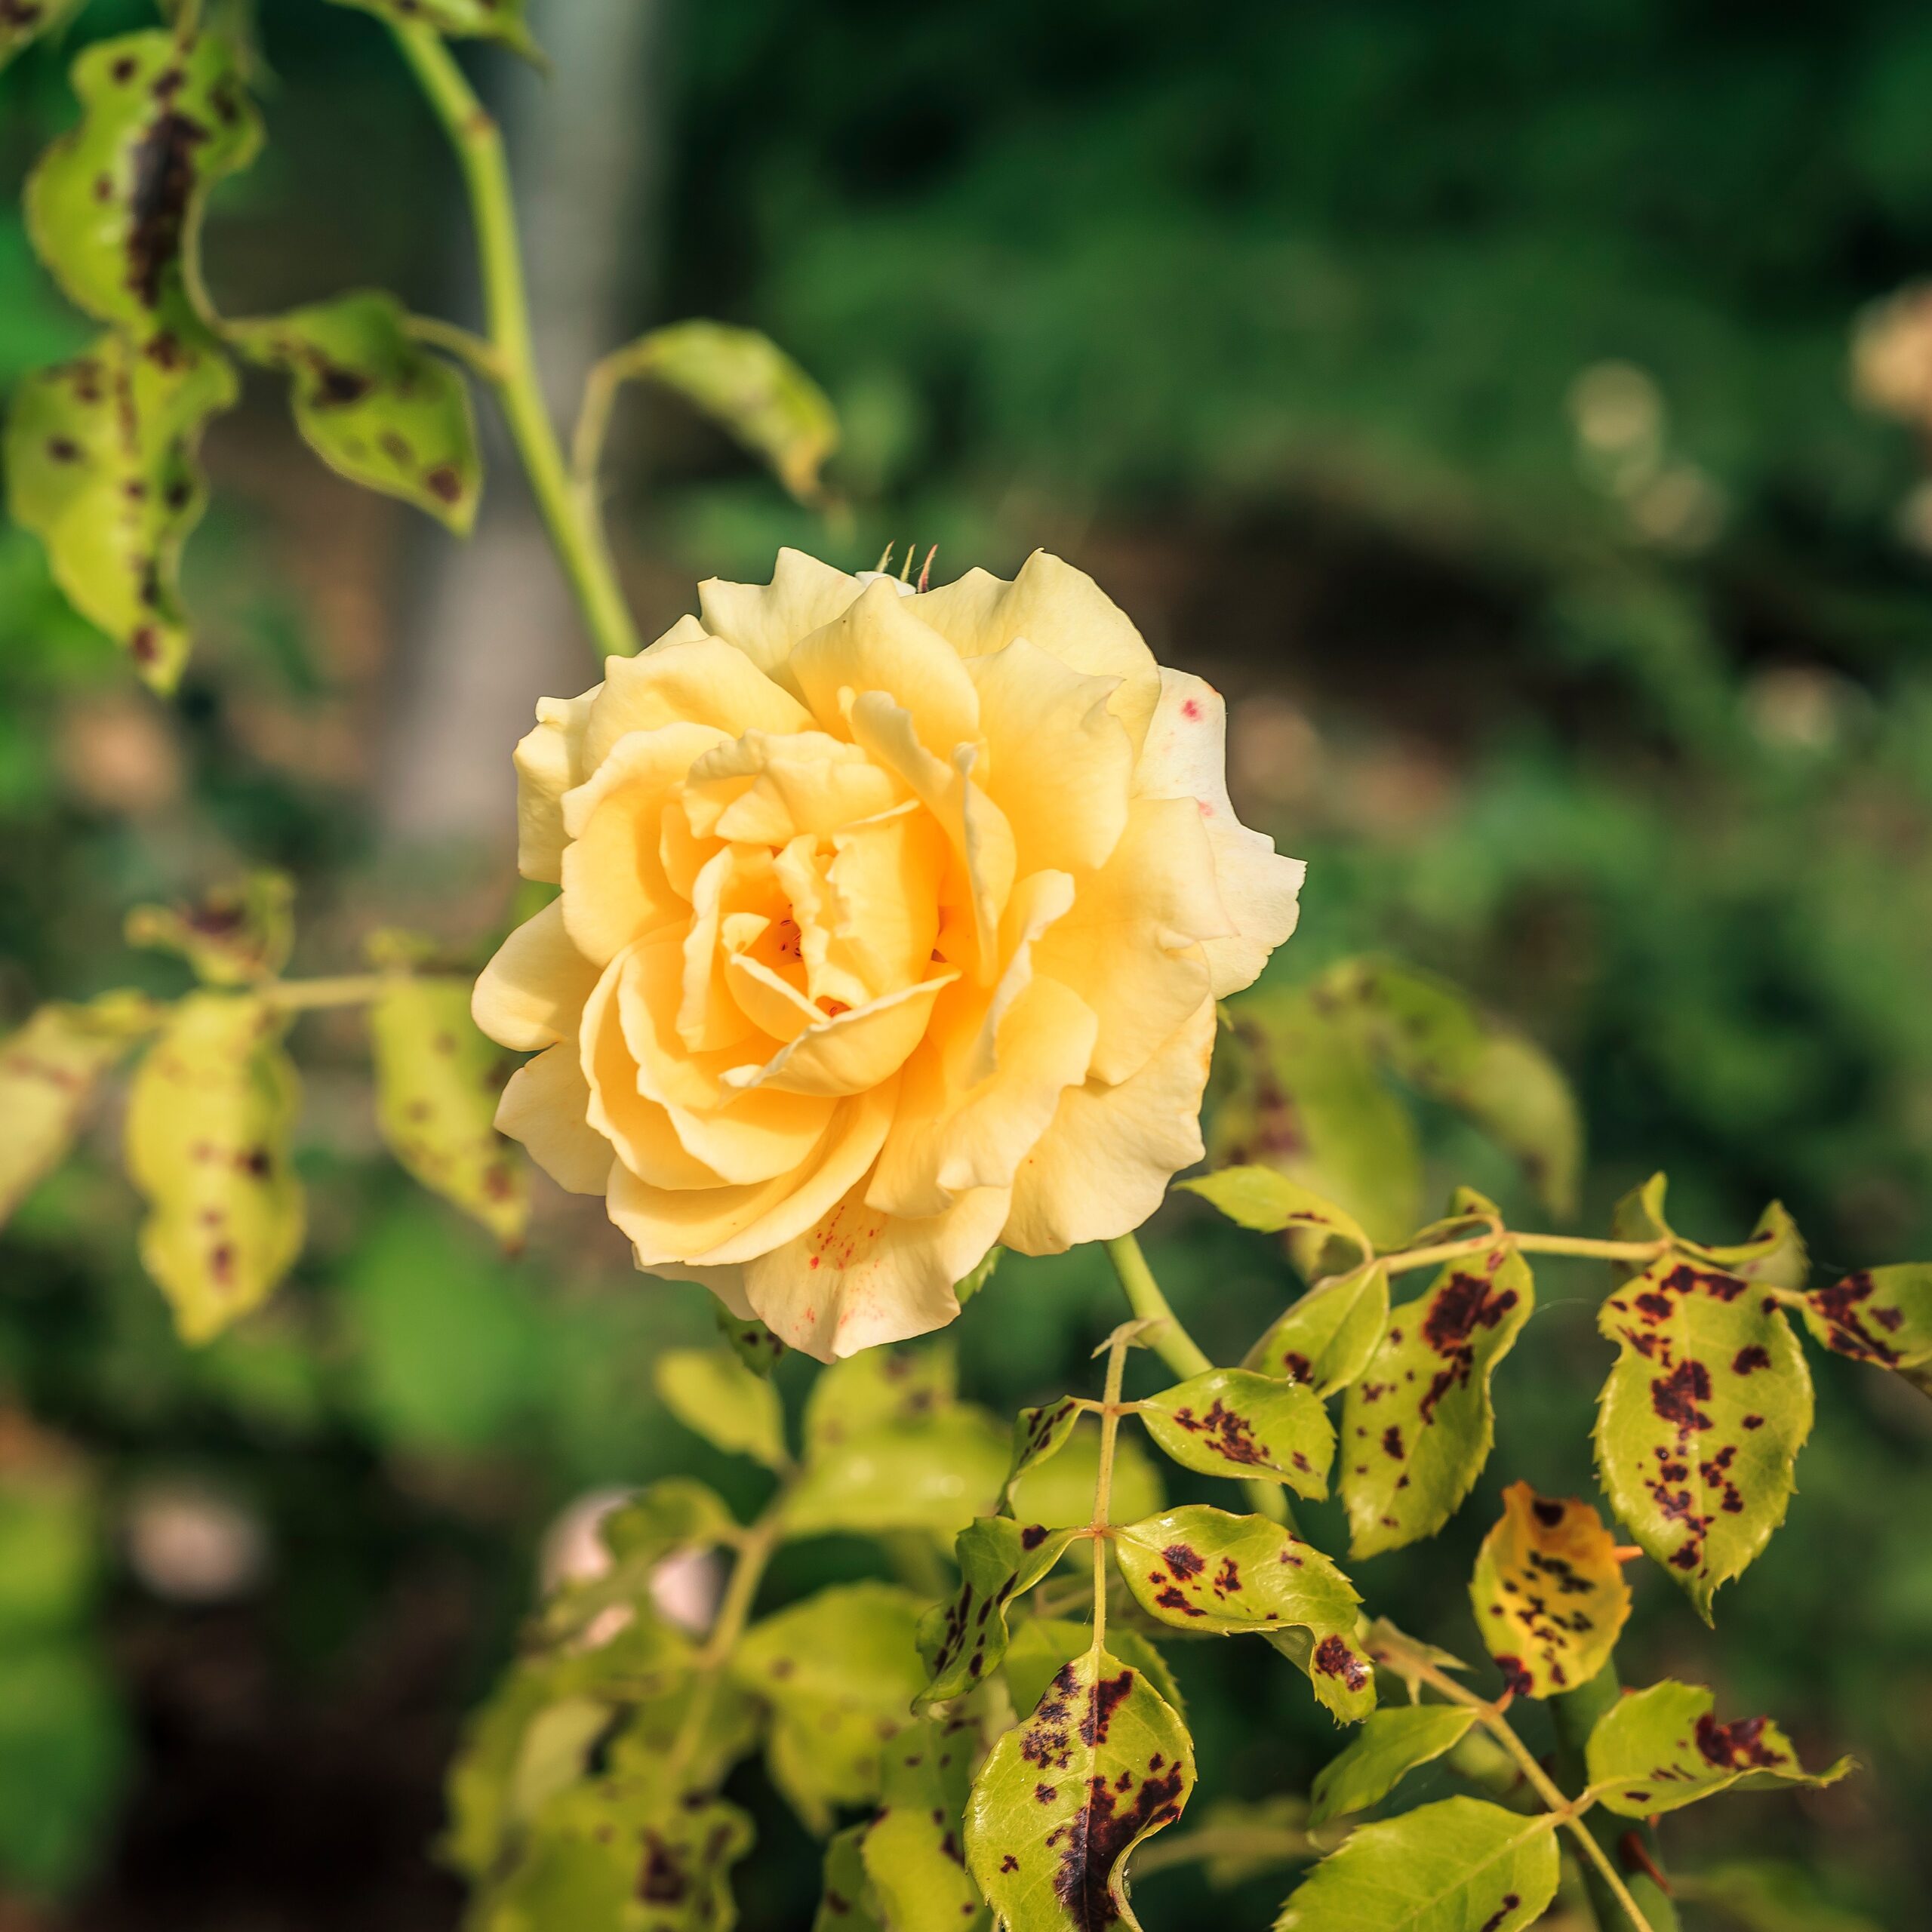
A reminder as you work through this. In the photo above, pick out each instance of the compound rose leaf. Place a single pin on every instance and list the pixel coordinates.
(210, 1117)
(373, 403)
(114, 207)
(715, 1396)
(1881, 1315)
(1660, 1750)
(913, 1851)
(1418, 1423)
(1327, 1337)
(1101, 1764)
(1231, 1421)
(50, 1070)
(485, 20)
(1699, 1426)
(1548, 1592)
(962, 1642)
(1055, 1486)
(1392, 1742)
(437, 1083)
(100, 466)
(1460, 1866)
(1206, 1571)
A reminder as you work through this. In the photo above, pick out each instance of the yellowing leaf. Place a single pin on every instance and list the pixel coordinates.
(1041, 1646)
(437, 1081)
(745, 383)
(715, 1396)
(1881, 1315)
(1660, 1750)
(1548, 1592)
(24, 20)
(49, 1071)
(877, 1385)
(488, 20)
(1391, 1743)
(1327, 1337)
(236, 934)
(846, 1903)
(962, 1642)
(1059, 1491)
(209, 1121)
(1231, 1421)
(1102, 1764)
(912, 1852)
(1417, 1425)
(1039, 1435)
(100, 466)
(1270, 1203)
(937, 1473)
(1699, 1424)
(1452, 1867)
(373, 404)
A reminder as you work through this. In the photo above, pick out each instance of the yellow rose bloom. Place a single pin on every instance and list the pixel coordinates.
(891, 927)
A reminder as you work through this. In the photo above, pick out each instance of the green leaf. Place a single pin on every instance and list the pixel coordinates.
(487, 20)
(675, 1514)
(1775, 1255)
(50, 1070)
(1699, 1426)
(1391, 1743)
(1269, 1202)
(1660, 1750)
(1303, 1094)
(877, 1385)
(846, 1903)
(1203, 1570)
(1882, 1315)
(1767, 1895)
(100, 466)
(437, 1081)
(1417, 1426)
(715, 1396)
(968, 1286)
(1328, 1337)
(963, 1641)
(25, 20)
(1102, 1764)
(373, 404)
(840, 1671)
(1548, 1592)
(1456, 1866)
(1401, 1655)
(1059, 1492)
(912, 1853)
(210, 1117)
(1043, 1646)
(1039, 1435)
(1231, 1421)
(745, 383)
(937, 1473)
(750, 1340)
(115, 207)
(235, 935)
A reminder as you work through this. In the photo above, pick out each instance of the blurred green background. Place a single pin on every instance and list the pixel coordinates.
(1465, 389)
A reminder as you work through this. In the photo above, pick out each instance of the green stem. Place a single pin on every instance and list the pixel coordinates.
(1103, 1482)
(1401, 1261)
(479, 151)
(734, 1610)
(350, 989)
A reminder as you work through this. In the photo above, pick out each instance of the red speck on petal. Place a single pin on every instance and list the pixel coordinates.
(1190, 710)
(814, 1261)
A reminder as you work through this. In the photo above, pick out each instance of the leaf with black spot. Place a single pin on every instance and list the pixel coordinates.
(24, 21)
(1699, 1425)
(211, 1116)
(876, 1385)
(1327, 1337)
(1205, 1571)
(963, 1641)
(373, 403)
(1660, 1750)
(233, 936)
(1418, 1423)
(1460, 1866)
(100, 455)
(1101, 1764)
(1042, 1646)
(114, 207)
(476, 19)
(914, 1851)
(1391, 1742)
(846, 1903)
(750, 1340)
(1039, 1435)
(1880, 1315)
(1268, 1201)
(1548, 1592)
(1231, 1421)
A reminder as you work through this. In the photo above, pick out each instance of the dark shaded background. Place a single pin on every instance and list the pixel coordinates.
(1464, 389)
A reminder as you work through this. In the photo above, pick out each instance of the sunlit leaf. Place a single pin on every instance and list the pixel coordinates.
(1327, 1337)
(1205, 1571)
(209, 1118)
(1043, 1646)
(846, 1903)
(963, 1641)
(840, 1671)
(1451, 1867)
(751, 1341)
(1699, 1426)
(100, 466)
(1660, 1750)
(1548, 1592)
(877, 1385)
(1882, 1315)
(1101, 1764)
(715, 1396)
(234, 935)
(22, 21)
(1418, 1423)
(1775, 1255)
(488, 20)
(114, 206)
(1392, 1742)
(1039, 1435)
(1270, 1203)
(49, 1071)
(1403, 1656)
(688, 1737)
(745, 382)
(1060, 1491)
(1231, 1421)
(672, 1515)
(373, 404)
(913, 1853)
(437, 1083)
(936, 1473)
